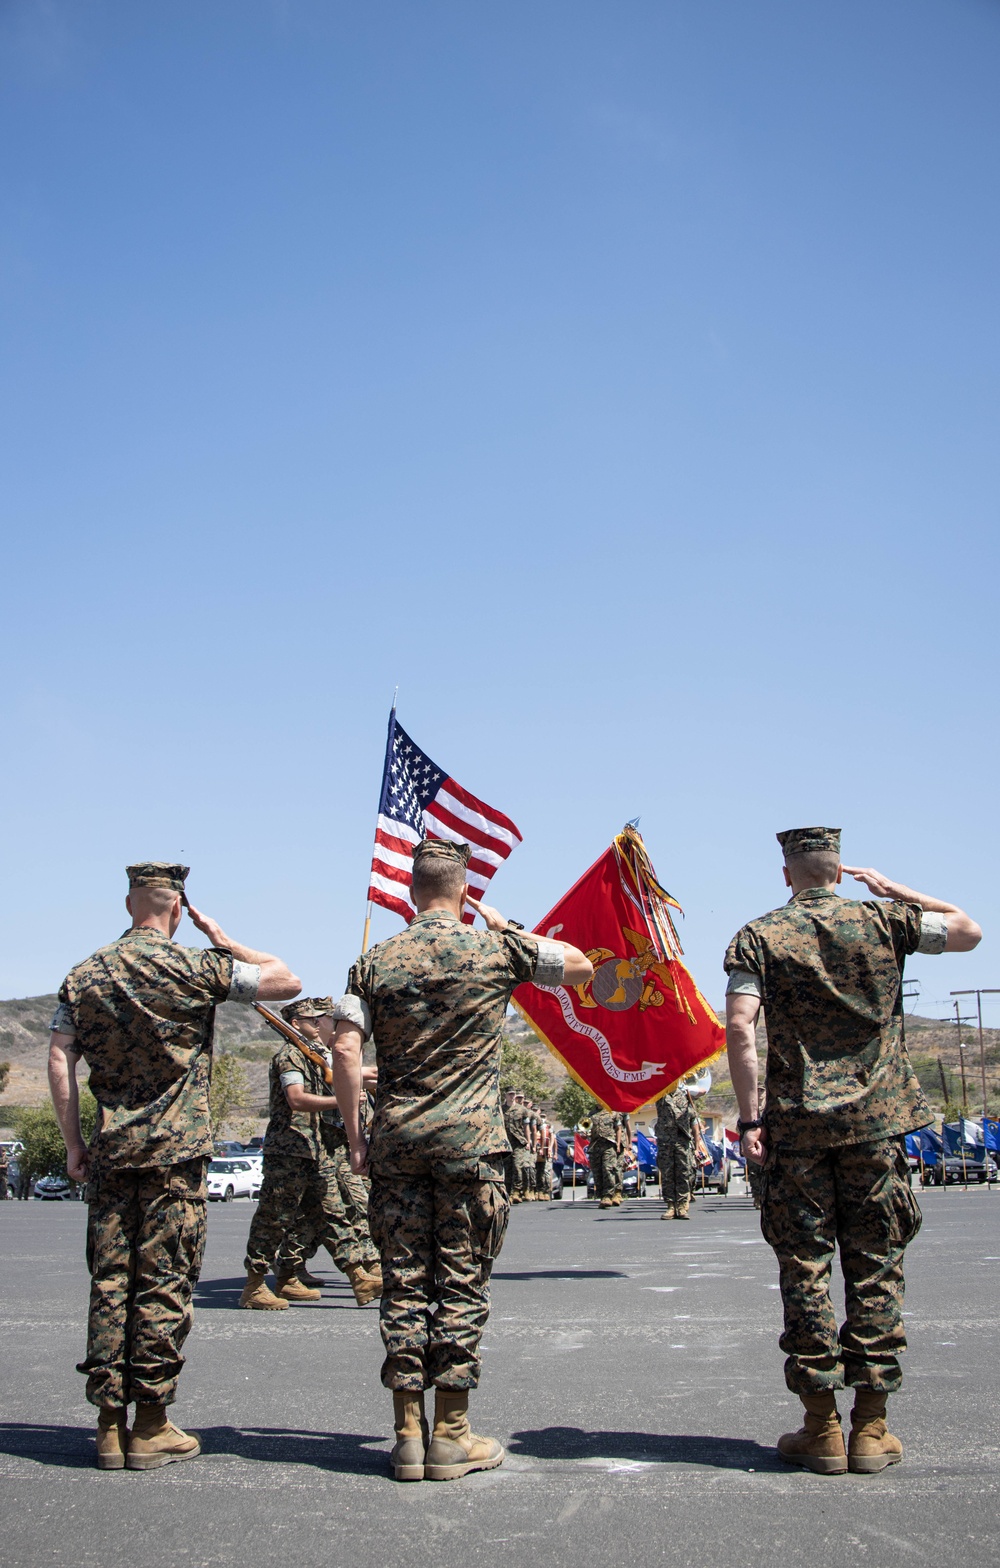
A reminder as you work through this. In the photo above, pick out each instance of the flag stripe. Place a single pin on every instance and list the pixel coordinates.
(436, 815)
(475, 814)
(491, 817)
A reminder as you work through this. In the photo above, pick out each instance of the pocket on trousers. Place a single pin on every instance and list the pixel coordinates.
(489, 1212)
(905, 1206)
(767, 1185)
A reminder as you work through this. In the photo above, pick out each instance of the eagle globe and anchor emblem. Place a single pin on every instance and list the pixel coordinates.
(640, 980)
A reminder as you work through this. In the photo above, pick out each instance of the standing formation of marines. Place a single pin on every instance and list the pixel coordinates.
(441, 1155)
(528, 1162)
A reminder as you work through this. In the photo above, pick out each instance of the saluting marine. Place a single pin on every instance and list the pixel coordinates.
(605, 1140)
(840, 1096)
(141, 1013)
(434, 998)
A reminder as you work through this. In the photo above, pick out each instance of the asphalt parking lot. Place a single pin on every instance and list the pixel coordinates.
(631, 1368)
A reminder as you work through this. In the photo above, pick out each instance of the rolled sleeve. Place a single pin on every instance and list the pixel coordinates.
(933, 932)
(550, 965)
(354, 1010)
(743, 983)
(291, 1077)
(63, 1021)
(244, 985)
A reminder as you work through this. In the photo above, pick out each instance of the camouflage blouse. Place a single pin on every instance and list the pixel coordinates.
(829, 972)
(143, 1011)
(604, 1124)
(288, 1131)
(674, 1117)
(436, 995)
(516, 1127)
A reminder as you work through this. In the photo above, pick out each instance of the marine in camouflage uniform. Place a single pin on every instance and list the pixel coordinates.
(3, 1174)
(300, 1193)
(512, 1127)
(521, 1152)
(141, 1013)
(605, 1135)
(840, 1096)
(434, 999)
(675, 1151)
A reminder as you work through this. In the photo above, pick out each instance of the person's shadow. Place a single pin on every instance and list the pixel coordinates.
(573, 1444)
(72, 1447)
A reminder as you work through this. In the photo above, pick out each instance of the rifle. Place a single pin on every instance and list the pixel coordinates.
(290, 1033)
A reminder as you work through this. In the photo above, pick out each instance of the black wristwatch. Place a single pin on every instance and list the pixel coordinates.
(743, 1127)
(515, 925)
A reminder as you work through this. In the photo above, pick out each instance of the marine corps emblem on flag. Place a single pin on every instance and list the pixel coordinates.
(640, 1023)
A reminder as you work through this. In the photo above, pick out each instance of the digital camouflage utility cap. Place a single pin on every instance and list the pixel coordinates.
(809, 841)
(442, 849)
(308, 1007)
(157, 873)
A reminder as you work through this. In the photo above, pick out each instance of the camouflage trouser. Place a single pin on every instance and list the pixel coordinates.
(755, 1178)
(348, 1194)
(543, 1177)
(437, 1236)
(524, 1170)
(603, 1157)
(145, 1244)
(509, 1172)
(3, 1185)
(299, 1196)
(855, 1196)
(675, 1162)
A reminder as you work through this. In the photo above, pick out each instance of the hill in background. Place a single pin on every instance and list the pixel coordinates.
(24, 1036)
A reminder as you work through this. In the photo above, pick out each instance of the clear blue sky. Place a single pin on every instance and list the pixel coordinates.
(619, 380)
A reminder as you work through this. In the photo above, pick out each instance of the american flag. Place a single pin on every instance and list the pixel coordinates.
(419, 800)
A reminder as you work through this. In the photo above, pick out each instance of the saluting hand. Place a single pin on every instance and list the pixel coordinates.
(208, 927)
(495, 921)
(874, 881)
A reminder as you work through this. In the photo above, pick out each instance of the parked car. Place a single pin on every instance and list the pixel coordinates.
(55, 1189)
(229, 1179)
(958, 1171)
(633, 1183)
(223, 1149)
(714, 1177)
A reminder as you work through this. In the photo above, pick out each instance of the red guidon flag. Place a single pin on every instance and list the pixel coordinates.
(640, 1024)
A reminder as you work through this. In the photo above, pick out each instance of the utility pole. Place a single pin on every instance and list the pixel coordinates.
(959, 1021)
(979, 993)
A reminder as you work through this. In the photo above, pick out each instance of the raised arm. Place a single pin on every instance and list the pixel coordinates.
(277, 983)
(577, 968)
(963, 932)
(66, 1100)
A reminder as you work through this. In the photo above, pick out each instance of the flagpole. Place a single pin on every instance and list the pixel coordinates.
(381, 804)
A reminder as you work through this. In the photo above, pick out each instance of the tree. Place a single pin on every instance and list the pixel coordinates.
(520, 1069)
(573, 1103)
(37, 1128)
(229, 1094)
(4, 1075)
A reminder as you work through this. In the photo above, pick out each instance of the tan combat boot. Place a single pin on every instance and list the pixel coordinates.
(819, 1442)
(155, 1441)
(871, 1446)
(410, 1447)
(112, 1437)
(373, 1268)
(290, 1288)
(681, 1211)
(605, 1203)
(668, 1213)
(515, 1197)
(616, 1200)
(307, 1279)
(257, 1298)
(454, 1449)
(365, 1287)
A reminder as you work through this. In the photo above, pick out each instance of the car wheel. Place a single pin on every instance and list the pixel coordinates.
(230, 1194)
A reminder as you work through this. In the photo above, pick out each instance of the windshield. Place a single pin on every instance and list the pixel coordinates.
(221, 1167)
